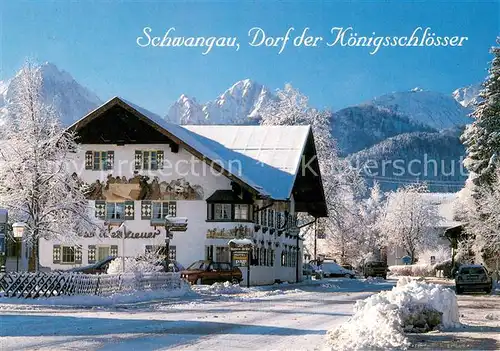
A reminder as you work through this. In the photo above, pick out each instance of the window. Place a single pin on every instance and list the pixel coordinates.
(240, 211)
(222, 211)
(115, 210)
(151, 159)
(160, 251)
(222, 254)
(160, 210)
(99, 160)
(103, 252)
(228, 212)
(68, 254)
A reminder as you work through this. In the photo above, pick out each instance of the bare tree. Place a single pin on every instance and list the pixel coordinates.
(36, 184)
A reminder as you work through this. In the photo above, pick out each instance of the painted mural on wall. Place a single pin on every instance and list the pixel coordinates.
(239, 232)
(140, 187)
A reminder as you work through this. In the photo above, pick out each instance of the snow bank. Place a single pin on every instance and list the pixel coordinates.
(380, 321)
(132, 265)
(223, 288)
(93, 300)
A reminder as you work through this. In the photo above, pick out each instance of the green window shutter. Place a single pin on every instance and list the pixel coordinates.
(78, 254)
(110, 160)
(113, 251)
(160, 159)
(129, 210)
(92, 254)
(100, 209)
(138, 159)
(146, 209)
(56, 254)
(88, 160)
(172, 208)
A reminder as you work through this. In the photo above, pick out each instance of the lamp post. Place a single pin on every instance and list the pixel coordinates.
(18, 231)
(124, 230)
(172, 224)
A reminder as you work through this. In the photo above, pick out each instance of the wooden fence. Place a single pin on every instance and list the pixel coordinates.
(40, 284)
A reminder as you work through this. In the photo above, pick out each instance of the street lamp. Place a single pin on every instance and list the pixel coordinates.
(124, 230)
(18, 231)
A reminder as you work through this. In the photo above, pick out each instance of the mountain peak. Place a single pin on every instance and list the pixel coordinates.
(468, 95)
(70, 99)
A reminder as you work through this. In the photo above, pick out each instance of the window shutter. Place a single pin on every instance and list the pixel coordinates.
(146, 210)
(160, 159)
(78, 254)
(88, 160)
(92, 254)
(113, 251)
(100, 209)
(138, 159)
(110, 160)
(129, 210)
(171, 208)
(56, 254)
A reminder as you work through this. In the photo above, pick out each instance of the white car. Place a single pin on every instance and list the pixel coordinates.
(333, 269)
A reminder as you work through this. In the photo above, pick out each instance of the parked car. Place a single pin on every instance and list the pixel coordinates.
(333, 269)
(208, 272)
(100, 267)
(473, 277)
(310, 270)
(375, 269)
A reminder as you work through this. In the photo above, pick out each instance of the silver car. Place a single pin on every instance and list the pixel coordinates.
(473, 277)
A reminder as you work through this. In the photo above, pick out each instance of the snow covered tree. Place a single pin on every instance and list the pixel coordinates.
(36, 184)
(479, 199)
(371, 210)
(482, 137)
(341, 182)
(409, 220)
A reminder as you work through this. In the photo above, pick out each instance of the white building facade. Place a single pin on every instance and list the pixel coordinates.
(228, 181)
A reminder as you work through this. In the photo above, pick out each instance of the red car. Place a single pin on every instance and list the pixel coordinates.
(208, 272)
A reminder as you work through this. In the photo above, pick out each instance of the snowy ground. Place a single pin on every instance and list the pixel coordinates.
(480, 316)
(210, 318)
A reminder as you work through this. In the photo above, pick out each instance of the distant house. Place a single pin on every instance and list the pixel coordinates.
(444, 202)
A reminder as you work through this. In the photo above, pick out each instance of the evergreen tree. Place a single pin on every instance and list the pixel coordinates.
(482, 137)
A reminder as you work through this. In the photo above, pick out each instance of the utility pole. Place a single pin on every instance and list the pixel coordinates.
(315, 239)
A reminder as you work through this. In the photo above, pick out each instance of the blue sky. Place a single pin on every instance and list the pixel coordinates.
(96, 43)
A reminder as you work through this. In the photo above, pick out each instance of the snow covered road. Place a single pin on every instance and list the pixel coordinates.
(276, 318)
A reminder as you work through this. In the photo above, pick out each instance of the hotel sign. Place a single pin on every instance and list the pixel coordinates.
(128, 235)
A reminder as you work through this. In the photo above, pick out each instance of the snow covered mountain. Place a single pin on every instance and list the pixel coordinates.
(187, 110)
(359, 127)
(468, 95)
(71, 100)
(432, 157)
(239, 104)
(434, 109)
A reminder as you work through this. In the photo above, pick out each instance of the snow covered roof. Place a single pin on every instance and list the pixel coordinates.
(274, 152)
(266, 159)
